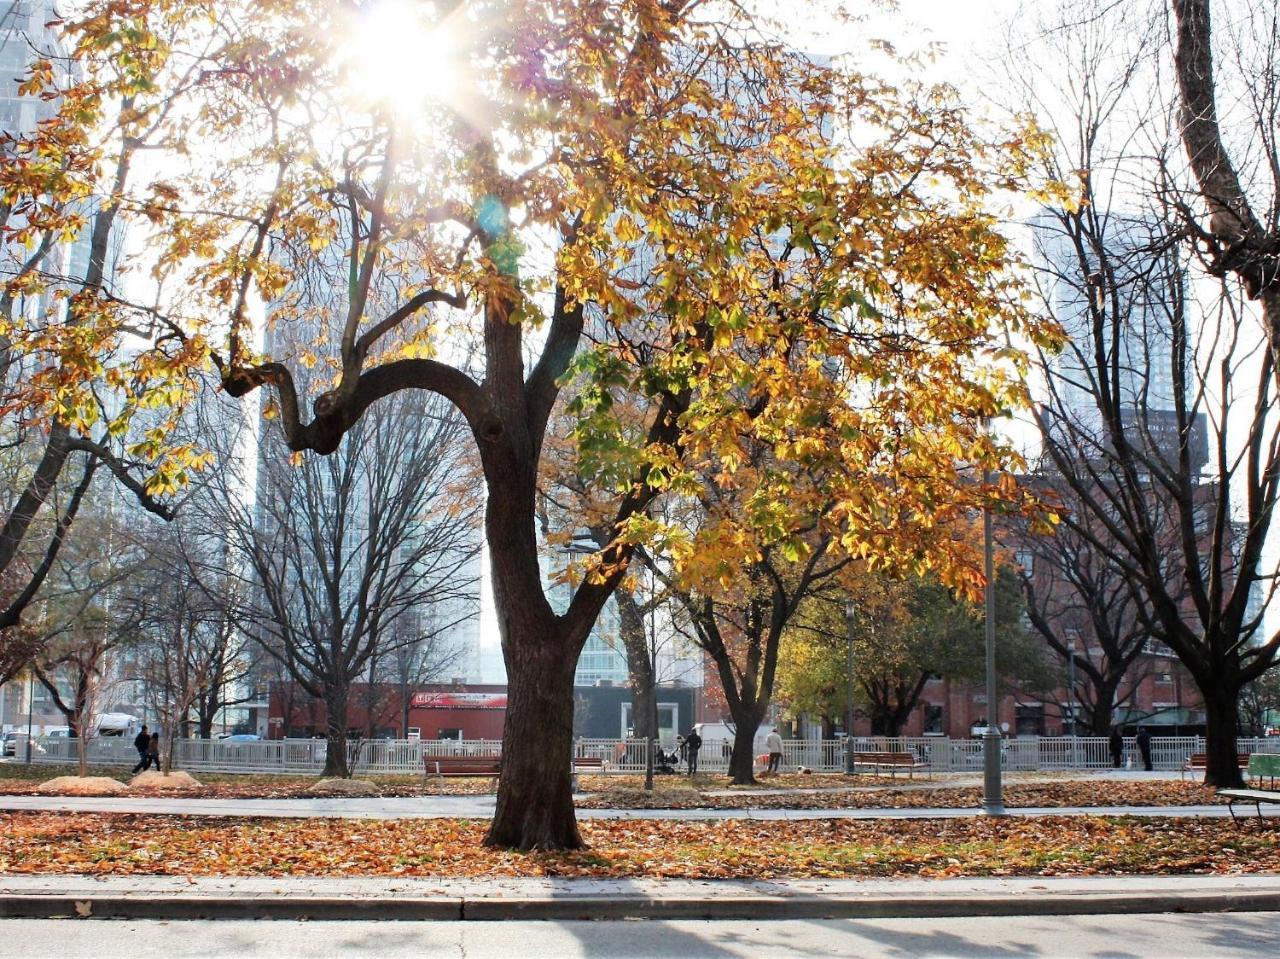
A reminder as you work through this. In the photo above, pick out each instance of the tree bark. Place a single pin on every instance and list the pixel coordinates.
(644, 696)
(742, 764)
(535, 797)
(335, 726)
(1220, 738)
(1102, 712)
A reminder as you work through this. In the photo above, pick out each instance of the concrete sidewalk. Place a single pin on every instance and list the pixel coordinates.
(162, 897)
(481, 807)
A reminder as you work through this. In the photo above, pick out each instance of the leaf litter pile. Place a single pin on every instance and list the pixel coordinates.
(679, 792)
(1025, 795)
(1042, 846)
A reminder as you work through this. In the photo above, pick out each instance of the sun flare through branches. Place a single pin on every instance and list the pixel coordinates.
(399, 56)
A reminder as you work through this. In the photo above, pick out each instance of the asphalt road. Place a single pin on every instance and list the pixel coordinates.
(1114, 937)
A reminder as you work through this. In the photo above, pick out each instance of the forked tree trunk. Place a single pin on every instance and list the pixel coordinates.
(335, 758)
(1221, 740)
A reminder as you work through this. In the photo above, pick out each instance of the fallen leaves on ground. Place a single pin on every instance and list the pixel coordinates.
(1044, 846)
(681, 792)
(18, 780)
(1088, 793)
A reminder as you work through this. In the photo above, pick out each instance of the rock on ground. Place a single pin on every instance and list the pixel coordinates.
(81, 786)
(343, 787)
(174, 780)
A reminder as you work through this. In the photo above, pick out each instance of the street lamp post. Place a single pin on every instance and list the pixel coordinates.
(651, 655)
(31, 703)
(849, 610)
(992, 790)
(1071, 700)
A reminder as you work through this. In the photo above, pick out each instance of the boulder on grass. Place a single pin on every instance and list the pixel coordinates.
(343, 787)
(81, 786)
(156, 780)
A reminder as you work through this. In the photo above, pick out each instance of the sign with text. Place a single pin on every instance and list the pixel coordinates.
(459, 700)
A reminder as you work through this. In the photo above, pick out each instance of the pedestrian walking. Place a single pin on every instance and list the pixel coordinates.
(153, 751)
(1144, 748)
(1117, 748)
(773, 743)
(692, 743)
(140, 743)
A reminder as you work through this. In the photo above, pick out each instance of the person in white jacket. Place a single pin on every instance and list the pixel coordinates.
(773, 742)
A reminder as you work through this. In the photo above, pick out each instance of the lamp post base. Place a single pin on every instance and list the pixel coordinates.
(992, 787)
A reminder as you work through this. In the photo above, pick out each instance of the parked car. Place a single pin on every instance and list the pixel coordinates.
(15, 744)
(241, 738)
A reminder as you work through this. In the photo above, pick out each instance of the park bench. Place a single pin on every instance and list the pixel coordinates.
(890, 761)
(461, 765)
(588, 763)
(1260, 766)
(1196, 763)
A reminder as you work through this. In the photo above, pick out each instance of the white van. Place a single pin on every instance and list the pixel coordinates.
(118, 724)
(720, 735)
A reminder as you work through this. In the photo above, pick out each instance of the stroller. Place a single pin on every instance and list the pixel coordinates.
(665, 763)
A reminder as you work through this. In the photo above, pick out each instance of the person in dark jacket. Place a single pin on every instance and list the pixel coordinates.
(140, 743)
(153, 751)
(1143, 739)
(692, 743)
(1117, 748)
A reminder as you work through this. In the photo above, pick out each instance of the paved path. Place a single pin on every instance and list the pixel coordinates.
(481, 807)
(1248, 936)
(181, 897)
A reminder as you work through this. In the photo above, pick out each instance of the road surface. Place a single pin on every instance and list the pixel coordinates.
(1236, 935)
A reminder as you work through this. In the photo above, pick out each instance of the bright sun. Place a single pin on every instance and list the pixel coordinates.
(399, 56)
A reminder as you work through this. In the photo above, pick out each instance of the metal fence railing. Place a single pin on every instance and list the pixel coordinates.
(405, 756)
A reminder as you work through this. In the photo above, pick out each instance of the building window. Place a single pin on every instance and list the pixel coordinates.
(1027, 560)
(932, 719)
(450, 734)
(1164, 678)
(415, 732)
(1029, 720)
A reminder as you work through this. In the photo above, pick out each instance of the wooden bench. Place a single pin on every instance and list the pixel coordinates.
(592, 763)
(1255, 796)
(1196, 763)
(461, 765)
(890, 761)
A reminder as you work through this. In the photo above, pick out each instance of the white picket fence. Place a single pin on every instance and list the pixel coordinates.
(392, 756)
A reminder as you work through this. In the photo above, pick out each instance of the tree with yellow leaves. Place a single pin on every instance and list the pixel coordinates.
(651, 197)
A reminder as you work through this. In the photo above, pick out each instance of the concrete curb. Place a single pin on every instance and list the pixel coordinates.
(872, 900)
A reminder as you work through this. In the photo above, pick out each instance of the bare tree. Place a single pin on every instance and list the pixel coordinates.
(1159, 415)
(1083, 607)
(337, 553)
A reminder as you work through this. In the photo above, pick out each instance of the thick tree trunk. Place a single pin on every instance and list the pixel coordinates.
(535, 795)
(335, 726)
(881, 723)
(1102, 713)
(644, 696)
(743, 761)
(1220, 739)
